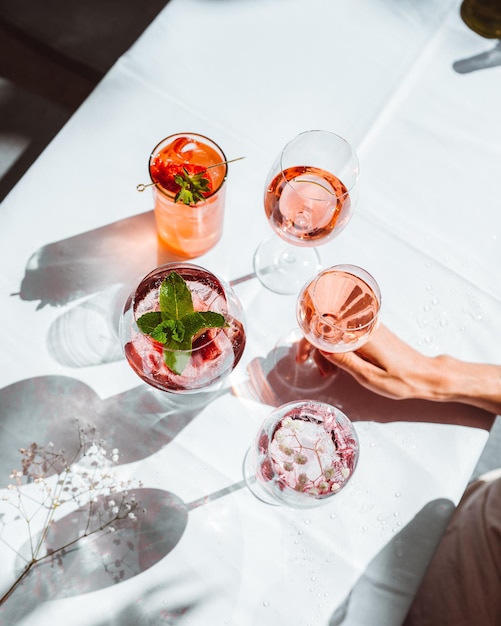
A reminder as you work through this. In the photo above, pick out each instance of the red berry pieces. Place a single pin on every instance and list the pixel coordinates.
(163, 173)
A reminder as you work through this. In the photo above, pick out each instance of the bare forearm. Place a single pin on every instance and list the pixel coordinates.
(389, 366)
(476, 384)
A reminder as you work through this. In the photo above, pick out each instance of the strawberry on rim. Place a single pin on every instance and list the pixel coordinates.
(189, 182)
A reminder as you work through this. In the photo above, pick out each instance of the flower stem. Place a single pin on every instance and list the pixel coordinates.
(36, 561)
(17, 582)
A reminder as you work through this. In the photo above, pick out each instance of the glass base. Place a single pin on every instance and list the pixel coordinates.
(284, 268)
(296, 365)
(254, 485)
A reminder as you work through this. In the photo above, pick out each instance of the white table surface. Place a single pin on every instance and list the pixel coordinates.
(75, 233)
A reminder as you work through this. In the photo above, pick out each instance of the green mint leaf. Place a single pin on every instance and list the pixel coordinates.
(177, 330)
(167, 331)
(149, 321)
(213, 320)
(200, 320)
(192, 324)
(175, 297)
(176, 361)
(177, 354)
(177, 322)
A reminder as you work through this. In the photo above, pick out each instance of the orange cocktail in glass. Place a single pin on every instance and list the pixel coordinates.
(189, 172)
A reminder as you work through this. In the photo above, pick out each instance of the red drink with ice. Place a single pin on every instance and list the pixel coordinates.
(212, 353)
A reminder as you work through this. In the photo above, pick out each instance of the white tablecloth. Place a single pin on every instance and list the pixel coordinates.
(75, 234)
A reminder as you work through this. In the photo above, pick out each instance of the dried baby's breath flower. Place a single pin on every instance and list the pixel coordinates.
(85, 480)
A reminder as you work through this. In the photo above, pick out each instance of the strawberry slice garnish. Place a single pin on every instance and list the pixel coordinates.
(189, 182)
(206, 345)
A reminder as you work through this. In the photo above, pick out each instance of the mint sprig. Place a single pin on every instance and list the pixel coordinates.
(191, 187)
(177, 323)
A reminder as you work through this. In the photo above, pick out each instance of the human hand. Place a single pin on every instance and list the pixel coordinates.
(392, 368)
(305, 351)
(389, 366)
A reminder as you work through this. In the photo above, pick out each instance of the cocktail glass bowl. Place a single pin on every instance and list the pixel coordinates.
(304, 453)
(214, 354)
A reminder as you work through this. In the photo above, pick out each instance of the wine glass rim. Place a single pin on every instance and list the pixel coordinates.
(355, 168)
(319, 407)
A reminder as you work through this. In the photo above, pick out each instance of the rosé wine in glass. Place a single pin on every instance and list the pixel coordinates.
(188, 229)
(338, 310)
(304, 453)
(307, 205)
(214, 351)
(310, 195)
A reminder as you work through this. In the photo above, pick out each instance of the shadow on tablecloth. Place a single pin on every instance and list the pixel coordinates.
(103, 559)
(276, 380)
(481, 61)
(385, 591)
(139, 421)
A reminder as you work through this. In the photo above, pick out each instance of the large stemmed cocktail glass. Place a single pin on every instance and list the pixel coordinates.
(182, 329)
(310, 194)
(339, 309)
(304, 453)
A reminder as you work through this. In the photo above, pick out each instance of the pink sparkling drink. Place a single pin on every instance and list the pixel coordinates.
(215, 352)
(304, 453)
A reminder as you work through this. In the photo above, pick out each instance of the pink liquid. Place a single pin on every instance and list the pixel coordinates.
(215, 352)
(311, 451)
(338, 311)
(307, 205)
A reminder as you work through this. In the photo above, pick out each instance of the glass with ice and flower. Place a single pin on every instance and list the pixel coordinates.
(182, 329)
(304, 453)
(189, 173)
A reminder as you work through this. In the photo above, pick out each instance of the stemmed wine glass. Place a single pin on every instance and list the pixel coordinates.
(304, 453)
(337, 311)
(310, 194)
